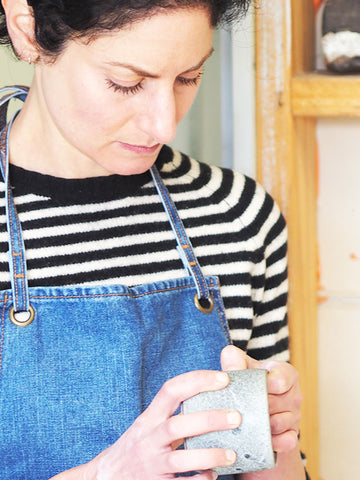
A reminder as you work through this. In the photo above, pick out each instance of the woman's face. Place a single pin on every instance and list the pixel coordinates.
(107, 106)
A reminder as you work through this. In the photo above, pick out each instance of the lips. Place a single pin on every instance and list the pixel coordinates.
(140, 149)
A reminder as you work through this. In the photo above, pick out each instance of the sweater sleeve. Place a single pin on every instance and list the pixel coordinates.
(269, 337)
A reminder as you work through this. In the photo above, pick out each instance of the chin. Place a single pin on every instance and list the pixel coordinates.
(135, 167)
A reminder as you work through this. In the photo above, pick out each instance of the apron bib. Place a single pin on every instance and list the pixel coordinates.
(79, 364)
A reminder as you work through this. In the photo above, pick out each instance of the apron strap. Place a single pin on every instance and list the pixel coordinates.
(21, 313)
(184, 247)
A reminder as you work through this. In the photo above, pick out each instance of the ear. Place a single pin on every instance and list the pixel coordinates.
(21, 27)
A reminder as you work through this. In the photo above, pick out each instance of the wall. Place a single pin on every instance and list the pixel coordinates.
(13, 70)
(339, 291)
(339, 295)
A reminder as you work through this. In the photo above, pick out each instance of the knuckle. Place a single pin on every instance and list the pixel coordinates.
(171, 428)
(168, 390)
(172, 462)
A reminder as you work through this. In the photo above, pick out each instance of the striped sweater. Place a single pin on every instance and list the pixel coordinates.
(113, 229)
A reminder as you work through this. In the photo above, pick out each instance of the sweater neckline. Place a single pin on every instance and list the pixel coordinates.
(65, 191)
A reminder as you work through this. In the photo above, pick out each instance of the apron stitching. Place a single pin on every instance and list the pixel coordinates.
(14, 263)
(115, 294)
(20, 254)
(212, 283)
(2, 331)
(22, 260)
(181, 234)
(99, 295)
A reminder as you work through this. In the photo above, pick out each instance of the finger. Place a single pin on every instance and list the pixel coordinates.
(282, 377)
(180, 461)
(180, 388)
(282, 422)
(196, 423)
(233, 358)
(287, 402)
(285, 442)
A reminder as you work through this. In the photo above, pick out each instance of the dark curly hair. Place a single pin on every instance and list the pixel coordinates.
(57, 21)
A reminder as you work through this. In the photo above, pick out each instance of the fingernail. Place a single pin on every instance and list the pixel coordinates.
(214, 475)
(230, 456)
(234, 418)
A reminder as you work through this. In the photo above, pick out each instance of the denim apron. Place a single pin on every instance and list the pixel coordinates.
(78, 364)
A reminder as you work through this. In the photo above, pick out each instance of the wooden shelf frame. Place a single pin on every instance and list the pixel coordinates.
(325, 95)
(287, 167)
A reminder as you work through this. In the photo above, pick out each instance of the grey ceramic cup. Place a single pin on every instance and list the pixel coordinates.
(246, 393)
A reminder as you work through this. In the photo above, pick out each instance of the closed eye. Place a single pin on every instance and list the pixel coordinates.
(133, 89)
(190, 81)
(123, 89)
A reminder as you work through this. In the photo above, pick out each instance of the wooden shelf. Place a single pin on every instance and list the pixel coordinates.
(287, 107)
(325, 95)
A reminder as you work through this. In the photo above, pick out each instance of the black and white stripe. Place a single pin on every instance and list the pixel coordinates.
(114, 230)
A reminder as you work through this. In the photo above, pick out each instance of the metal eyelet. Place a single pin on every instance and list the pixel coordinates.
(22, 319)
(199, 302)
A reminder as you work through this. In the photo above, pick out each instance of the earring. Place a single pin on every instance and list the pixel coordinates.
(29, 60)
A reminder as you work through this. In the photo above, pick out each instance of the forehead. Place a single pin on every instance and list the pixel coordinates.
(178, 36)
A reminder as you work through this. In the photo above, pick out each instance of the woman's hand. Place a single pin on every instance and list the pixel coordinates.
(283, 391)
(147, 450)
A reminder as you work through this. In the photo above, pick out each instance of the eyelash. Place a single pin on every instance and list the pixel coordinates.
(190, 81)
(136, 88)
(124, 90)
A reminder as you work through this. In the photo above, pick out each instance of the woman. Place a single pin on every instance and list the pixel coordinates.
(103, 332)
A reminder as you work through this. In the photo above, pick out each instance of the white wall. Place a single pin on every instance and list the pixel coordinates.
(12, 70)
(339, 309)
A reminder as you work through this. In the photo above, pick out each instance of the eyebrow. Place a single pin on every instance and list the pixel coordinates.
(143, 73)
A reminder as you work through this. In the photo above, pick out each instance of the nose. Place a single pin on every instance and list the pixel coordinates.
(159, 116)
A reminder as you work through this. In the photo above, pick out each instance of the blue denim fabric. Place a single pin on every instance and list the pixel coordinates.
(93, 358)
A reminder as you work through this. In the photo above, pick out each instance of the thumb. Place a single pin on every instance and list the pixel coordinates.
(232, 358)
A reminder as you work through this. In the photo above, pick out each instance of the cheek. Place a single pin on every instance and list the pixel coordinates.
(184, 102)
(97, 114)
(89, 103)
